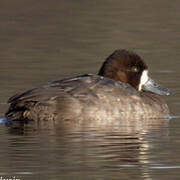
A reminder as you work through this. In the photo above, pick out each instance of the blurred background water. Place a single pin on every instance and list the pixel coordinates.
(45, 40)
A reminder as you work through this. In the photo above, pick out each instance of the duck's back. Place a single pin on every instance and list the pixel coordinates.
(87, 97)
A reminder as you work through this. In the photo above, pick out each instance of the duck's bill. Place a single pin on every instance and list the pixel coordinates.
(152, 86)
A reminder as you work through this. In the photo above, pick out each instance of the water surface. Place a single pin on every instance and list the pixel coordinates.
(42, 41)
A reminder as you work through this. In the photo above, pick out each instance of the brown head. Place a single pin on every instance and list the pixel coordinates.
(128, 67)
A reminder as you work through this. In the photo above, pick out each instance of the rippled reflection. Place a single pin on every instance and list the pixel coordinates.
(75, 148)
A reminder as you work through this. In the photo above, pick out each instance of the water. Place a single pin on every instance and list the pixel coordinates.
(42, 41)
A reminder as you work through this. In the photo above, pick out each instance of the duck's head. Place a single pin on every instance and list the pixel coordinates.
(128, 67)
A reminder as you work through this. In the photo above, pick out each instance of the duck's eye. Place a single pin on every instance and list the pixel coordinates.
(135, 69)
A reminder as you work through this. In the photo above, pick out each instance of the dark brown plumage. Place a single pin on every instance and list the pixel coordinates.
(110, 96)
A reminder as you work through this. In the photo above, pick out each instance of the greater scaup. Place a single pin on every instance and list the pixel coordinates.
(121, 90)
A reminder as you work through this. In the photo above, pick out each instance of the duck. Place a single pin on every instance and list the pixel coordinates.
(122, 89)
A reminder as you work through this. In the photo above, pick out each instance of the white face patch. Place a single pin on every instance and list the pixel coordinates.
(143, 80)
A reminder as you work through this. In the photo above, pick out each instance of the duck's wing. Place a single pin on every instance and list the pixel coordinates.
(71, 86)
(59, 92)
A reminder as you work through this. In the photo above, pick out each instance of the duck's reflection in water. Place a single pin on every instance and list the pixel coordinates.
(113, 149)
